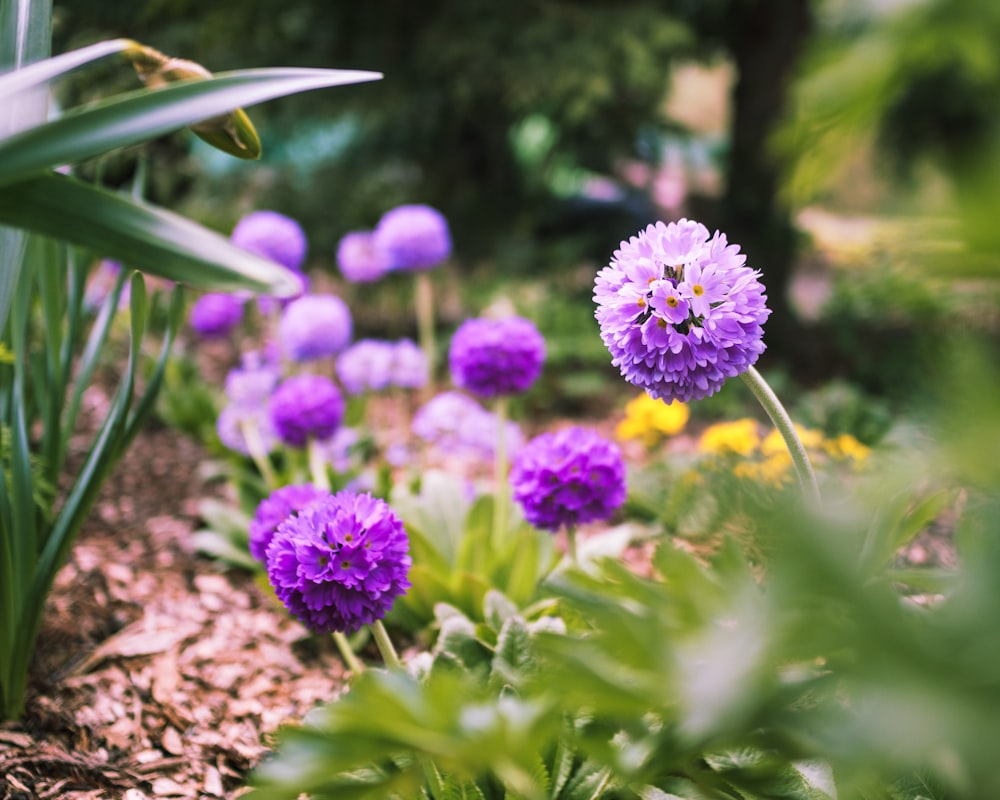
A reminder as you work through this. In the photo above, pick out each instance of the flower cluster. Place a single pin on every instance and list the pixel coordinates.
(457, 425)
(275, 509)
(738, 446)
(493, 357)
(273, 236)
(339, 563)
(306, 407)
(679, 310)
(215, 314)
(373, 365)
(568, 477)
(413, 237)
(649, 420)
(314, 326)
(360, 261)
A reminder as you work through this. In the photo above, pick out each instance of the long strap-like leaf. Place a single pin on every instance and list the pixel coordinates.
(139, 235)
(145, 114)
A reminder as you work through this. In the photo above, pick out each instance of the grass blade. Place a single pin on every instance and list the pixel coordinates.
(39, 73)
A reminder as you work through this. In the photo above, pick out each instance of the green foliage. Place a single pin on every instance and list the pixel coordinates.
(55, 347)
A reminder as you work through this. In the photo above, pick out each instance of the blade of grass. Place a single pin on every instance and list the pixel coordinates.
(145, 114)
(39, 73)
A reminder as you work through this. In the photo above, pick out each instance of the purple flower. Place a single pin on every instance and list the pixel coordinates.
(306, 407)
(680, 311)
(234, 422)
(274, 236)
(315, 326)
(275, 509)
(251, 383)
(568, 477)
(360, 261)
(215, 315)
(458, 425)
(340, 563)
(366, 366)
(491, 357)
(413, 237)
(410, 369)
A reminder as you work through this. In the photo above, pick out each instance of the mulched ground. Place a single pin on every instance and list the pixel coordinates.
(157, 675)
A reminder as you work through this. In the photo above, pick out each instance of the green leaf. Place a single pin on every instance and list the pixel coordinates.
(139, 235)
(139, 116)
(42, 72)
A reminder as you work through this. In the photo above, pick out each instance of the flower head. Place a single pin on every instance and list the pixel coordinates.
(251, 383)
(306, 407)
(410, 369)
(680, 311)
(648, 419)
(274, 236)
(491, 357)
(737, 436)
(214, 315)
(340, 563)
(568, 477)
(275, 509)
(413, 237)
(366, 366)
(314, 326)
(236, 422)
(360, 261)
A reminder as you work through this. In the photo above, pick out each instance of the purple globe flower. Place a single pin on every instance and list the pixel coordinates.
(251, 383)
(306, 407)
(340, 563)
(366, 366)
(679, 311)
(413, 237)
(275, 509)
(215, 315)
(492, 357)
(274, 236)
(315, 326)
(235, 421)
(568, 477)
(456, 424)
(410, 369)
(360, 261)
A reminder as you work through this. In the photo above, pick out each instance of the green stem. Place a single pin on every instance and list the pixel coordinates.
(571, 545)
(317, 466)
(424, 304)
(500, 475)
(347, 653)
(255, 446)
(384, 644)
(783, 422)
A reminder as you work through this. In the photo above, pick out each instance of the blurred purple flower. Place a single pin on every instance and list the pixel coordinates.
(340, 563)
(679, 311)
(568, 477)
(275, 509)
(366, 366)
(491, 357)
(214, 315)
(233, 421)
(413, 237)
(360, 261)
(306, 407)
(274, 236)
(251, 383)
(410, 369)
(458, 425)
(314, 326)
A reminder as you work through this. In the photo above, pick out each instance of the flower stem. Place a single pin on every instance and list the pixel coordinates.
(255, 446)
(347, 653)
(317, 465)
(571, 545)
(500, 474)
(424, 301)
(384, 644)
(783, 422)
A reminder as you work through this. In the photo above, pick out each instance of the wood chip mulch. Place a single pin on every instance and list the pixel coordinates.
(157, 674)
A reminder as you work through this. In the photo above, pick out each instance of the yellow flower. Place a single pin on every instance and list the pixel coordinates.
(774, 443)
(648, 419)
(739, 436)
(846, 446)
(772, 471)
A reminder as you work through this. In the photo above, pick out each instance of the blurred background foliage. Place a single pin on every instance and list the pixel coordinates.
(851, 148)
